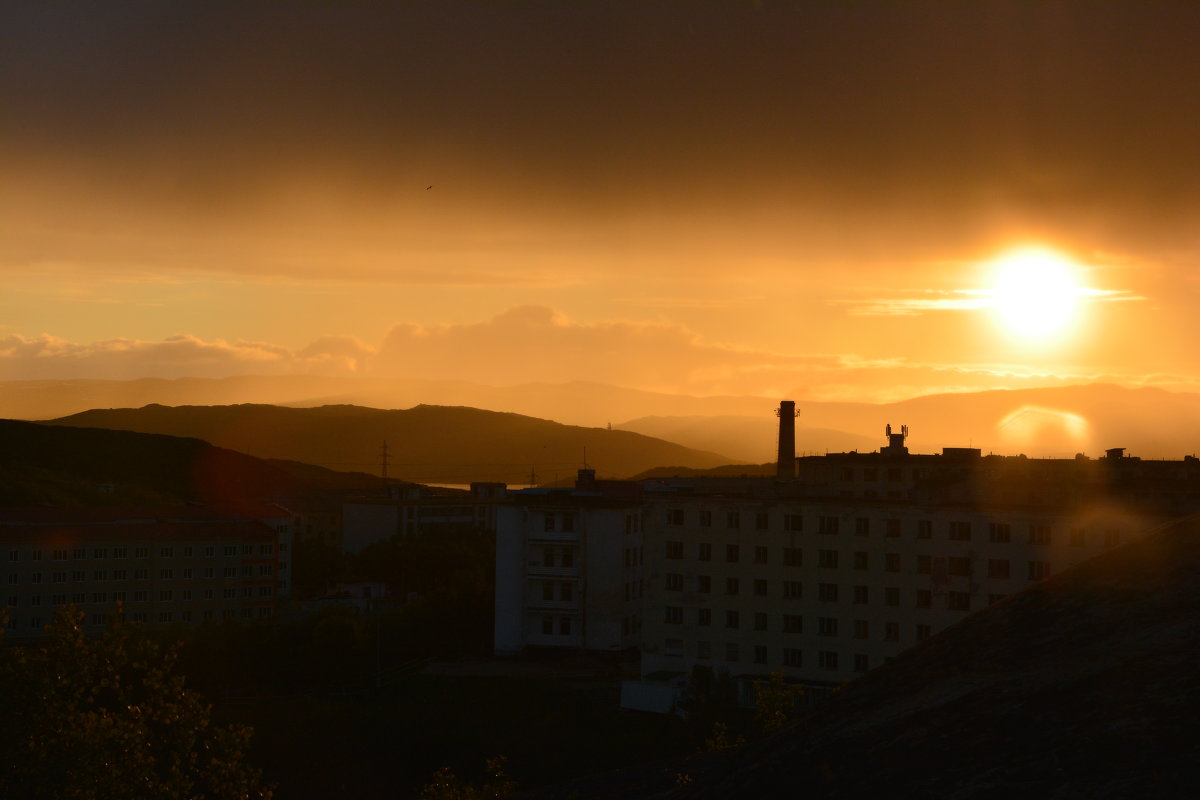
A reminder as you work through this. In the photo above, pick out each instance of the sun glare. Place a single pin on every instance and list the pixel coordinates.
(1035, 294)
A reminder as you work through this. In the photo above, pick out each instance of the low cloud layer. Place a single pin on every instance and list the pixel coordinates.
(537, 344)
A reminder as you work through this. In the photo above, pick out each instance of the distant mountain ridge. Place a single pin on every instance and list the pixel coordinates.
(428, 444)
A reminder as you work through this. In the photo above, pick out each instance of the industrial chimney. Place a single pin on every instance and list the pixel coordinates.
(785, 463)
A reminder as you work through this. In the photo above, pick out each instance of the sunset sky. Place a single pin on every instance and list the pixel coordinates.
(812, 199)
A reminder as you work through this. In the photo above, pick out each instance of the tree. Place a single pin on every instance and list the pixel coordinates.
(105, 717)
(774, 701)
(446, 785)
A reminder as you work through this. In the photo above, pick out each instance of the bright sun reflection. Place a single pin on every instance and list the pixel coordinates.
(1035, 294)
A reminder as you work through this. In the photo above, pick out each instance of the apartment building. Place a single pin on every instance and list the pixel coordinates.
(414, 511)
(161, 567)
(824, 576)
(570, 572)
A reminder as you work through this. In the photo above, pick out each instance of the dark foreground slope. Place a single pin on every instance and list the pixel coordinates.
(48, 464)
(1084, 686)
(433, 444)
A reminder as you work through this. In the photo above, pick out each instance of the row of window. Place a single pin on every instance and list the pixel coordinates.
(101, 618)
(960, 530)
(141, 574)
(760, 654)
(142, 596)
(103, 553)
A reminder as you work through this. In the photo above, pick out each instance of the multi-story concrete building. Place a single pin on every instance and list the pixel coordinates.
(184, 565)
(830, 574)
(570, 571)
(367, 520)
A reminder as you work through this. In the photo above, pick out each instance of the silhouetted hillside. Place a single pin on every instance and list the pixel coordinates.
(70, 466)
(1082, 686)
(750, 440)
(426, 443)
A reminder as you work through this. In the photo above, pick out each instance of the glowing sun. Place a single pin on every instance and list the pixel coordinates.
(1034, 294)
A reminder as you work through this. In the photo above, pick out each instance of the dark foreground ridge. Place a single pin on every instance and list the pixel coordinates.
(1086, 685)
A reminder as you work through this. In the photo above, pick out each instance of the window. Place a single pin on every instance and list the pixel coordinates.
(793, 557)
(35, 578)
(705, 518)
(894, 474)
(958, 565)
(924, 598)
(827, 659)
(59, 599)
(166, 595)
(36, 555)
(924, 529)
(564, 626)
(60, 555)
(141, 596)
(958, 601)
(230, 550)
(731, 652)
(118, 597)
(263, 549)
(924, 565)
(732, 619)
(99, 597)
(100, 552)
(166, 574)
(793, 623)
(1038, 570)
(733, 520)
(862, 662)
(100, 575)
(792, 657)
(891, 562)
(78, 576)
(1039, 533)
(760, 620)
(891, 528)
(209, 550)
(760, 587)
(566, 591)
(862, 527)
(891, 596)
(861, 560)
(861, 595)
(548, 556)
(827, 626)
(731, 586)
(209, 572)
(793, 522)
(862, 629)
(704, 650)
(568, 523)
(891, 631)
(674, 615)
(568, 557)
(59, 577)
(827, 559)
(960, 531)
(999, 532)
(827, 525)
(827, 592)
(760, 554)
(998, 568)
(675, 516)
(731, 553)
(995, 598)
(761, 520)
(704, 616)
(674, 549)
(705, 552)
(760, 654)
(166, 552)
(14, 555)
(673, 582)
(792, 590)
(79, 553)
(703, 583)
(923, 632)
(230, 572)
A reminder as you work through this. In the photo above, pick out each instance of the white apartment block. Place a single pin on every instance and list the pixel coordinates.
(825, 576)
(570, 572)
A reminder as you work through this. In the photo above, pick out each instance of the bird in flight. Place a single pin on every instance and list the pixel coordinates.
(430, 186)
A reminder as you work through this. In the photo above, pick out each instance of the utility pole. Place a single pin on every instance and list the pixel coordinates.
(383, 460)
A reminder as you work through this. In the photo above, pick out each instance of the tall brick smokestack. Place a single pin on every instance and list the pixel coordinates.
(785, 463)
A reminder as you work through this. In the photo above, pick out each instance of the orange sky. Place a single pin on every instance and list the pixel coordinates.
(701, 197)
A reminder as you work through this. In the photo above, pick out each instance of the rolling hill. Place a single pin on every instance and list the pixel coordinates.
(428, 444)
